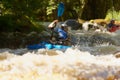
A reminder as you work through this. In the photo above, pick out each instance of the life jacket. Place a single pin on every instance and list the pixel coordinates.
(62, 33)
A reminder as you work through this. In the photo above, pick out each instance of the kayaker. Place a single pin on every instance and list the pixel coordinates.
(112, 27)
(111, 24)
(62, 34)
(61, 31)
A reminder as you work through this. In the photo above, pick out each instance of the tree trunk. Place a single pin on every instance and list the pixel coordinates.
(95, 9)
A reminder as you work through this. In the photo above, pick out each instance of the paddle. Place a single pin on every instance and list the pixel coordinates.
(60, 12)
(60, 9)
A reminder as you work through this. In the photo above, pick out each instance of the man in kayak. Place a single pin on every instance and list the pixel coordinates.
(112, 27)
(61, 32)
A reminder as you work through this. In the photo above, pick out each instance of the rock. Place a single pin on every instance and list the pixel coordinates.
(117, 54)
(74, 24)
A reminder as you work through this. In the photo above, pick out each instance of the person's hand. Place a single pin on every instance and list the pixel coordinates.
(55, 21)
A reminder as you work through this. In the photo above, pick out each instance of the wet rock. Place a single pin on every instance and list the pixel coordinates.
(74, 24)
(117, 54)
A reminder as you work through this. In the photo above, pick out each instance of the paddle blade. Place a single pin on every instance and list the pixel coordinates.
(60, 9)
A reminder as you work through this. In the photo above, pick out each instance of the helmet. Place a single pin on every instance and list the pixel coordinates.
(64, 25)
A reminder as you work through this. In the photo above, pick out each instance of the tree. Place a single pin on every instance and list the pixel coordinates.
(22, 12)
(95, 9)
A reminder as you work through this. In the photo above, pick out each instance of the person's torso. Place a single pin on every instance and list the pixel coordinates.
(62, 33)
(111, 25)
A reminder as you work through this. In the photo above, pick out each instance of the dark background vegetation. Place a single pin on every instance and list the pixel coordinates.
(26, 16)
(22, 15)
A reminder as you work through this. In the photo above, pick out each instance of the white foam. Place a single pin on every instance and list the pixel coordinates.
(69, 65)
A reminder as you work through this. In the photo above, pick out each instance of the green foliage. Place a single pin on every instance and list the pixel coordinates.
(113, 15)
(78, 7)
(22, 14)
(114, 11)
(17, 11)
(51, 6)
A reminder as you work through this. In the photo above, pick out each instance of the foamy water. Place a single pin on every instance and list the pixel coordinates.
(43, 64)
(82, 62)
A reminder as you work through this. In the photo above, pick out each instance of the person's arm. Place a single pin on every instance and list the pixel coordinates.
(53, 24)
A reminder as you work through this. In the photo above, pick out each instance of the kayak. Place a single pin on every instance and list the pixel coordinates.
(113, 29)
(46, 45)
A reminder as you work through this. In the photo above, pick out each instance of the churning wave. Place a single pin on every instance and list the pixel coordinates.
(43, 64)
(96, 39)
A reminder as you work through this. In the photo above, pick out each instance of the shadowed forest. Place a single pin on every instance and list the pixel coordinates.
(26, 16)
(22, 15)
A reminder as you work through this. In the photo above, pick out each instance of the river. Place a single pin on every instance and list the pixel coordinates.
(92, 57)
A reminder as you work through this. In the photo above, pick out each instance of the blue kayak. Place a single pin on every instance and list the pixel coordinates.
(46, 45)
